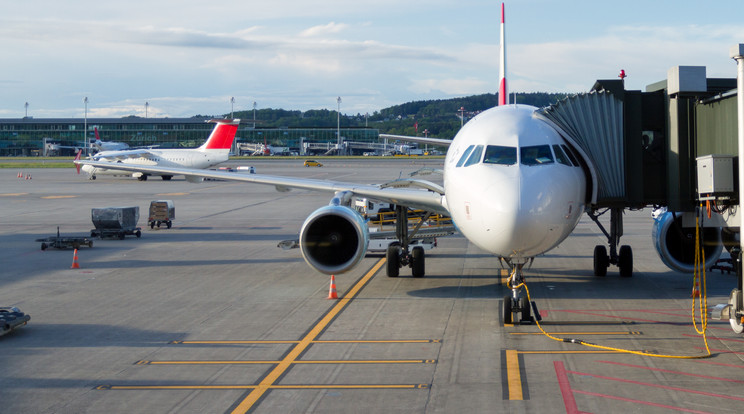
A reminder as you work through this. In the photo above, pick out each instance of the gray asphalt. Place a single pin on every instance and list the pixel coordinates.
(211, 317)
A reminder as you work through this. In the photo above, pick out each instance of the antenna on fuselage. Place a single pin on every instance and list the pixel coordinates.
(503, 91)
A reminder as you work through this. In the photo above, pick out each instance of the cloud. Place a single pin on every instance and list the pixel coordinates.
(330, 28)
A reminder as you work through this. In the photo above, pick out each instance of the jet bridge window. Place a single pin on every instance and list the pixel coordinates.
(536, 155)
(475, 156)
(497, 154)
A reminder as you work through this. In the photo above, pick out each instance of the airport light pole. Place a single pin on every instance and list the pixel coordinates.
(254, 114)
(85, 126)
(462, 116)
(338, 122)
(232, 107)
(26, 105)
(147, 104)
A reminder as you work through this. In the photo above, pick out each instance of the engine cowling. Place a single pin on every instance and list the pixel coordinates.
(333, 239)
(676, 244)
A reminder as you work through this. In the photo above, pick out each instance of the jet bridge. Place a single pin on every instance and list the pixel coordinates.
(639, 149)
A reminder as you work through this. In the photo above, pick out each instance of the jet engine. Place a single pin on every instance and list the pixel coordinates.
(333, 239)
(676, 244)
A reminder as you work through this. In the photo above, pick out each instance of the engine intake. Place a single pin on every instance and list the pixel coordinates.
(676, 244)
(333, 239)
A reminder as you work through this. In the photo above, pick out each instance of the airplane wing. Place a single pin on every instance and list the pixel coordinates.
(421, 140)
(416, 194)
(122, 155)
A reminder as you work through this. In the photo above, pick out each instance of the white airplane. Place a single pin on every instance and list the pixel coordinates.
(101, 146)
(214, 151)
(512, 185)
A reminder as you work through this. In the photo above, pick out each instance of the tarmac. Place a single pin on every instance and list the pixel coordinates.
(211, 316)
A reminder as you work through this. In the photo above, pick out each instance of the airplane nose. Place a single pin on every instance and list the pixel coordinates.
(517, 218)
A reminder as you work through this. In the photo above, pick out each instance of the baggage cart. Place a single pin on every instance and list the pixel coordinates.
(64, 242)
(115, 222)
(11, 318)
(161, 212)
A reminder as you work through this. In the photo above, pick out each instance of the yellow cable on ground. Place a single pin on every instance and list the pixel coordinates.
(703, 312)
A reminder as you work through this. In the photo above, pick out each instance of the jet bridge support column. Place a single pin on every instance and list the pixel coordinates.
(736, 309)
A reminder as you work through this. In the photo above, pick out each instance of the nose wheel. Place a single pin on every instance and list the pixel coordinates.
(518, 309)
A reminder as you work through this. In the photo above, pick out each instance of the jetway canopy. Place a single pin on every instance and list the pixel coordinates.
(593, 122)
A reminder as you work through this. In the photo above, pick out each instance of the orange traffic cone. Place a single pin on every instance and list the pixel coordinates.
(695, 289)
(332, 291)
(75, 264)
(20, 175)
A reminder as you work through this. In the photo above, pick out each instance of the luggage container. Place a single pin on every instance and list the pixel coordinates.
(161, 212)
(115, 222)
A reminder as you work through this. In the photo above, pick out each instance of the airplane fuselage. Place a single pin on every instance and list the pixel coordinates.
(189, 158)
(511, 186)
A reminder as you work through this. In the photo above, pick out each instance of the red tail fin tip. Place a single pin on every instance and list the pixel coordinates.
(503, 90)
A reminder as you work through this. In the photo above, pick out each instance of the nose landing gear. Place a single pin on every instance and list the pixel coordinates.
(516, 306)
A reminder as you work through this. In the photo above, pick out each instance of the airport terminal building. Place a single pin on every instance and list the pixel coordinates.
(60, 136)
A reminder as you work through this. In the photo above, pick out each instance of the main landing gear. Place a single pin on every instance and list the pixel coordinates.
(514, 305)
(623, 259)
(398, 254)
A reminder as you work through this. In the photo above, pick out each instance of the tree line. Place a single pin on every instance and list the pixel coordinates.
(436, 118)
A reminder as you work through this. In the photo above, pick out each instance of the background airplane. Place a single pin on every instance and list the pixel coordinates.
(214, 151)
(100, 146)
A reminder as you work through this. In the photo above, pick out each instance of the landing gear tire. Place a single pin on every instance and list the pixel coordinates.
(625, 261)
(418, 265)
(526, 310)
(602, 261)
(393, 260)
(735, 320)
(508, 310)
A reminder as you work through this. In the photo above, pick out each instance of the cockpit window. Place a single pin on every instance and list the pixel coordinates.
(465, 156)
(536, 155)
(475, 156)
(571, 155)
(496, 154)
(560, 156)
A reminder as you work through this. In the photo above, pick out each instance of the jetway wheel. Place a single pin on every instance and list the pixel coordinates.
(601, 261)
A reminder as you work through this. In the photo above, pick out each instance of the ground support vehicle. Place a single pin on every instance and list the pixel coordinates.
(59, 242)
(11, 318)
(161, 212)
(115, 222)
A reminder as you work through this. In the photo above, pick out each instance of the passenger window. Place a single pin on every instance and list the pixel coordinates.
(571, 155)
(560, 156)
(536, 155)
(465, 156)
(475, 156)
(496, 154)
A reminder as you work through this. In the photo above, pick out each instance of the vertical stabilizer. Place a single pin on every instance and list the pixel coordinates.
(222, 135)
(503, 91)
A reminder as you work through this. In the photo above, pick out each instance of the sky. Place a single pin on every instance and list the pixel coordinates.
(183, 58)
